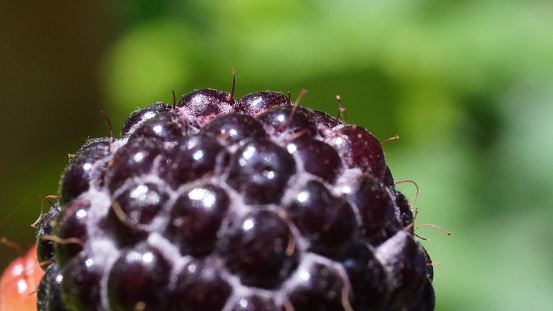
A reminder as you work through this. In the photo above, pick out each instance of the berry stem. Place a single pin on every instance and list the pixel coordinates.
(389, 139)
(233, 83)
(109, 124)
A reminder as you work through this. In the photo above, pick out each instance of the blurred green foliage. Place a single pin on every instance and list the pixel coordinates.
(465, 84)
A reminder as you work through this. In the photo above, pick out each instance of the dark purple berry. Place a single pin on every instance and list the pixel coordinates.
(79, 173)
(45, 246)
(376, 209)
(388, 179)
(165, 126)
(405, 263)
(255, 303)
(423, 301)
(139, 280)
(324, 120)
(260, 249)
(79, 287)
(71, 231)
(320, 288)
(201, 286)
(405, 214)
(193, 158)
(195, 219)
(429, 266)
(290, 119)
(142, 115)
(204, 105)
(327, 222)
(234, 128)
(327, 164)
(260, 171)
(365, 274)
(223, 205)
(134, 213)
(48, 291)
(255, 103)
(359, 149)
(133, 159)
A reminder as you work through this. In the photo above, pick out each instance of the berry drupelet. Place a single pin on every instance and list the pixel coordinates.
(232, 205)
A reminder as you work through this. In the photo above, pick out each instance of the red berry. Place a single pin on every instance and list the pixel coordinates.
(19, 283)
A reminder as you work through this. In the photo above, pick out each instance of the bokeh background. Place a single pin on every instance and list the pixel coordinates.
(467, 85)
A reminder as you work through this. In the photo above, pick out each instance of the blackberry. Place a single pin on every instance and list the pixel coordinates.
(48, 291)
(234, 205)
